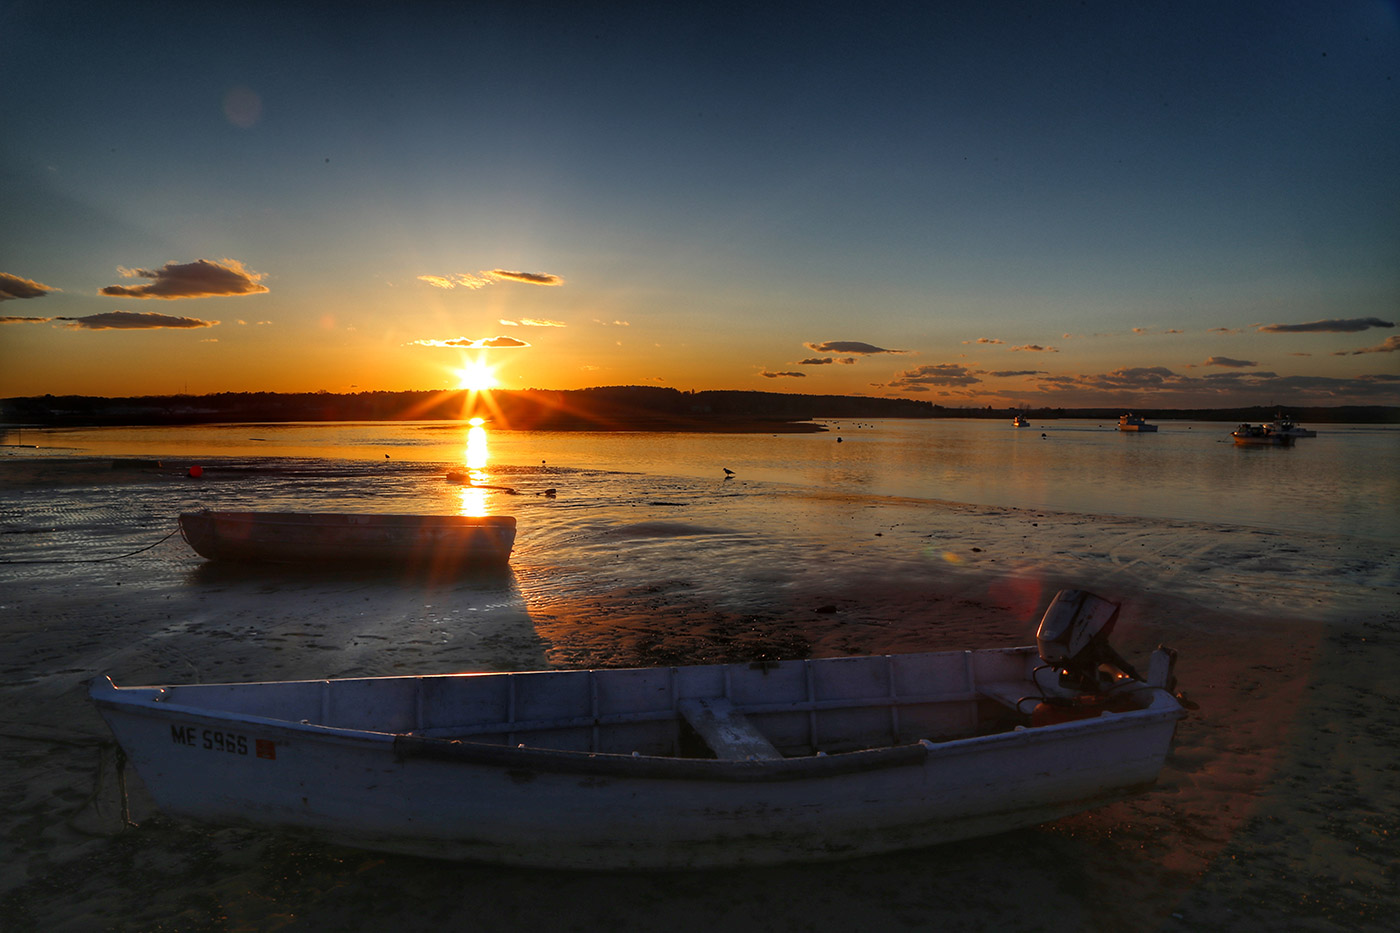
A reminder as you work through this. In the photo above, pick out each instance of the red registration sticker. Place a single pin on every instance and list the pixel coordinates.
(266, 748)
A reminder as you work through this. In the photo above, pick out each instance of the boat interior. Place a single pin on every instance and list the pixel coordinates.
(762, 710)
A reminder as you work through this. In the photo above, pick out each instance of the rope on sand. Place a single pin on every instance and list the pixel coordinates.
(95, 560)
(98, 782)
(103, 746)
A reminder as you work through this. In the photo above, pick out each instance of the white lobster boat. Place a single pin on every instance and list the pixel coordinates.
(1260, 435)
(678, 767)
(1135, 423)
(345, 538)
(1287, 427)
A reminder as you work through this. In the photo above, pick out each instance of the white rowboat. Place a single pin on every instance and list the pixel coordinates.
(672, 767)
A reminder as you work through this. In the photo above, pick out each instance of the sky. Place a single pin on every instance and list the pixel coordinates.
(1183, 204)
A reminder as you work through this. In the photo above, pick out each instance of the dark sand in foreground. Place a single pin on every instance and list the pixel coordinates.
(1279, 808)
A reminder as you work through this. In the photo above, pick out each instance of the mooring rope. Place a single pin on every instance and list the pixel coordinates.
(100, 779)
(96, 560)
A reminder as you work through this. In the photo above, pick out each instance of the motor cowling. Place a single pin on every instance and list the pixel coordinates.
(1073, 639)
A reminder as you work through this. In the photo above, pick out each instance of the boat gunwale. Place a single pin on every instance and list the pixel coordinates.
(145, 701)
(366, 518)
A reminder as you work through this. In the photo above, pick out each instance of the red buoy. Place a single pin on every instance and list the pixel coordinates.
(196, 471)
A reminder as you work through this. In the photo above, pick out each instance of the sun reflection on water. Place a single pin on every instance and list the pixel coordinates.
(476, 456)
(473, 504)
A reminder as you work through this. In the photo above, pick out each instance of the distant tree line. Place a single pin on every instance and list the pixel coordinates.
(602, 408)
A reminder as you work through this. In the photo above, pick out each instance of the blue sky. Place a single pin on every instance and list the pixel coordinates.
(1170, 204)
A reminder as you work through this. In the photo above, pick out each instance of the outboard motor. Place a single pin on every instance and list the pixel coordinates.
(1073, 639)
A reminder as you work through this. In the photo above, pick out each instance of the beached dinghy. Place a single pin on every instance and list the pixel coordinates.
(323, 537)
(678, 767)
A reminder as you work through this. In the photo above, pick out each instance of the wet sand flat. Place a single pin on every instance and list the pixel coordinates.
(1278, 809)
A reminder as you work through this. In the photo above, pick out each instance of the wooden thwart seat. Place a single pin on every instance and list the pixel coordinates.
(726, 730)
(1012, 695)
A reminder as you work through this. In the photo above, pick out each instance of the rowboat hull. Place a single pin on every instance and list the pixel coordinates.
(313, 537)
(587, 769)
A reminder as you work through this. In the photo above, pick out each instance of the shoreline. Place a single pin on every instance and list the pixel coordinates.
(598, 408)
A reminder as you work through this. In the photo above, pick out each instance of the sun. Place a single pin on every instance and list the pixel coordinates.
(475, 376)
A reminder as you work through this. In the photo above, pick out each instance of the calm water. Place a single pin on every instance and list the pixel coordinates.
(1346, 480)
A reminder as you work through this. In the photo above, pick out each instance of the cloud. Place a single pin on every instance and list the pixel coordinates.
(1035, 348)
(444, 281)
(532, 322)
(1135, 377)
(473, 343)
(489, 277)
(1344, 326)
(1016, 372)
(529, 278)
(1389, 345)
(1225, 330)
(847, 346)
(12, 287)
(12, 319)
(988, 340)
(198, 279)
(934, 374)
(1225, 388)
(1134, 386)
(132, 320)
(816, 361)
(767, 375)
(456, 280)
(1227, 361)
(613, 323)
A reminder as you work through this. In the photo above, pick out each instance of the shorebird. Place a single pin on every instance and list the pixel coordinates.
(728, 472)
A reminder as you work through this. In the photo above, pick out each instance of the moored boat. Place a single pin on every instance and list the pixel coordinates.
(333, 537)
(1020, 422)
(1131, 422)
(672, 767)
(1286, 427)
(1259, 434)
